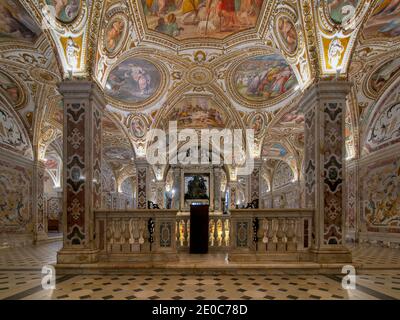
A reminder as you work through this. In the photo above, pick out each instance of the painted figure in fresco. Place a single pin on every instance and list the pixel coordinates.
(190, 18)
(9, 132)
(65, 10)
(139, 75)
(288, 33)
(384, 74)
(10, 87)
(385, 19)
(342, 10)
(15, 22)
(114, 34)
(138, 127)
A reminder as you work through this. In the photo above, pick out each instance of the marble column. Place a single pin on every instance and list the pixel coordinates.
(83, 108)
(352, 221)
(324, 107)
(38, 202)
(233, 194)
(142, 183)
(176, 201)
(255, 183)
(217, 189)
(160, 194)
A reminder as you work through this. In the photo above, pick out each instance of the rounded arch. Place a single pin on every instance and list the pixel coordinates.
(13, 135)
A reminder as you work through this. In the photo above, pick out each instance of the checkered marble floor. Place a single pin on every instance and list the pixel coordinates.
(20, 278)
(376, 256)
(26, 286)
(29, 257)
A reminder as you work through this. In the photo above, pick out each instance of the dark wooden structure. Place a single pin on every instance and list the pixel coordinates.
(199, 228)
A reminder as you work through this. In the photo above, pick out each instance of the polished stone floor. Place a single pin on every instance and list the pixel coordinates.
(20, 278)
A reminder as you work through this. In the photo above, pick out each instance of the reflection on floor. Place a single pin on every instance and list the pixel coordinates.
(20, 278)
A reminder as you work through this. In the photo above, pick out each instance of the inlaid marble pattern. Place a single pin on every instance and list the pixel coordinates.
(20, 278)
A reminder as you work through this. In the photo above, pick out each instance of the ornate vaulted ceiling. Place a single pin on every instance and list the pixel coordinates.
(210, 63)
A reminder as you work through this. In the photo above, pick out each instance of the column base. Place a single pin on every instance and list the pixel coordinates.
(39, 237)
(74, 256)
(338, 254)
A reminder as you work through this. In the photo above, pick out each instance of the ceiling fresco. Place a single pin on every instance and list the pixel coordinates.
(264, 78)
(185, 19)
(198, 113)
(16, 23)
(134, 80)
(385, 20)
(202, 63)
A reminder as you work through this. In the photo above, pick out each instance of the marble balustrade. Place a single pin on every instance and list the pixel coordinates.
(136, 234)
(248, 234)
(271, 234)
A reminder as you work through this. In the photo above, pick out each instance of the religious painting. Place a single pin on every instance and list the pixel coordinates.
(64, 10)
(197, 113)
(115, 34)
(385, 129)
(257, 123)
(134, 80)
(138, 127)
(385, 20)
(275, 151)
(11, 136)
(11, 89)
(197, 186)
(341, 11)
(380, 193)
(16, 23)
(384, 74)
(288, 34)
(15, 195)
(264, 78)
(291, 118)
(117, 153)
(185, 19)
(283, 175)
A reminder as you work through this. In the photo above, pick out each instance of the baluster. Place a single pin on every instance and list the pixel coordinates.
(177, 233)
(181, 232)
(223, 234)
(109, 236)
(216, 232)
(291, 236)
(188, 231)
(271, 246)
(142, 226)
(211, 233)
(227, 232)
(131, 240)
(280, 235)
(185, 234)
(265, 230)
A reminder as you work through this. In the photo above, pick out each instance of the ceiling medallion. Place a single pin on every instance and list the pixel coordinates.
(43, 76)
(261, 80)
(115, 33)
(199, 76)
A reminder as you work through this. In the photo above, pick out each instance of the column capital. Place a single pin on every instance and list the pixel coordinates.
(324, 91)
(142, 162)
(82, 89)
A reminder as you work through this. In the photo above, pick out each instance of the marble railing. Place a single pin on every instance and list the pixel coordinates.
(136, 234)
(271, 234)
(218, 236)
(247, 235)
